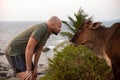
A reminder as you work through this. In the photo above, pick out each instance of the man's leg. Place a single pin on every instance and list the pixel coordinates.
(19, 66)
(20, 75)
(22, 71)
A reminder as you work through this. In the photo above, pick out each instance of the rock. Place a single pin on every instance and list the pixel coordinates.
(42, 69)
(40, 65)
(2, 52)
(5, 71)
(4, 67)
(45, 49)
(6, 74)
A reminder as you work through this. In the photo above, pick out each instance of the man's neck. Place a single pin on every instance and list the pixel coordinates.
(49, 28)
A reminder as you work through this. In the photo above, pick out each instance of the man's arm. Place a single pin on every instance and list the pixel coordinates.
(36, 59)
(28, 56)
(37, 56)
(29, 52)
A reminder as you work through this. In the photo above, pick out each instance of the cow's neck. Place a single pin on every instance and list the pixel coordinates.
(100, 39)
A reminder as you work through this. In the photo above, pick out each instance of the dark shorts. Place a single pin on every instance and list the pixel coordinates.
(18, 63)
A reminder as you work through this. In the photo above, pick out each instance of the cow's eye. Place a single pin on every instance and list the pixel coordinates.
(78, 33)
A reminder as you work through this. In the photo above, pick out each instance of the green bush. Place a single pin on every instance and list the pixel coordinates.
(77, 64)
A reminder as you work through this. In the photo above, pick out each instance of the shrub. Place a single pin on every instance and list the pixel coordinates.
(77, 64)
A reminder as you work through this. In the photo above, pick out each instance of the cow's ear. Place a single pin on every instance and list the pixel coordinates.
(96, 25)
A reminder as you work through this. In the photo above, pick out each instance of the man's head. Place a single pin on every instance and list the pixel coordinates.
(54, 24)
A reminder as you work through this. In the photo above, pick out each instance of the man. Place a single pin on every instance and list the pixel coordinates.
(21, 49)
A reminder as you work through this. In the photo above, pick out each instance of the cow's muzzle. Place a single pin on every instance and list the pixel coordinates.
(73, 42)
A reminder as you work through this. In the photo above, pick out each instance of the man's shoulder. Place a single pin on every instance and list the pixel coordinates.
(40, 25)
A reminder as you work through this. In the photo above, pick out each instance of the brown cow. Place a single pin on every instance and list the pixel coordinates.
(105, 42)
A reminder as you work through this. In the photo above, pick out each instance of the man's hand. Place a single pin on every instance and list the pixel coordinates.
(27, 75)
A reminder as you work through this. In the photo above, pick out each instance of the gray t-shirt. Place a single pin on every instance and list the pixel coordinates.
(18, 44)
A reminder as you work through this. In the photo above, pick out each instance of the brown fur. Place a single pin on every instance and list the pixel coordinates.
(103, 41)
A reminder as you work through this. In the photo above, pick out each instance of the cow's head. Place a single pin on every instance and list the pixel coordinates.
(84, 34)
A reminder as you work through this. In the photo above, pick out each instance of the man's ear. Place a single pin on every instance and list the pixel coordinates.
(52, 25)
(96, 25)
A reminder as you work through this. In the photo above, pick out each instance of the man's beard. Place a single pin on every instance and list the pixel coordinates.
(54, 32)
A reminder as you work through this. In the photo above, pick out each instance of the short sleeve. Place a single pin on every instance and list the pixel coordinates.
(38, 33)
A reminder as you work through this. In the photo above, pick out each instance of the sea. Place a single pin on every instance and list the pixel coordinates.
(8, 30)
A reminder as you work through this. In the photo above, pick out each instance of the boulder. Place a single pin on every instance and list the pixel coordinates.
(45, 49)
(42, 69)
(4, 67)
(2, 52)
(6, 74)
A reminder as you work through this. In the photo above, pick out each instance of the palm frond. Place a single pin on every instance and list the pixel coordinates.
(74, 24)
(68, 34)
(71, 28)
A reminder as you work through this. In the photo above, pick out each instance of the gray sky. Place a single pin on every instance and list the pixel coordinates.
(35, 10)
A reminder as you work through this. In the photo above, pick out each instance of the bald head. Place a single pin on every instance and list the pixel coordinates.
(54, 24)
(54, 20)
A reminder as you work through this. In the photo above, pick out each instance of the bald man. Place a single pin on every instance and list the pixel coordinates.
(21, 49)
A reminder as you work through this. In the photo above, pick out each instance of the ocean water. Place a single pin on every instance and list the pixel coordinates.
(8, 30)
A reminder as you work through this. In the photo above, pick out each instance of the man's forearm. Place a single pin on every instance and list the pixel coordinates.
(36, 58)
(28, 55)
(29, 51)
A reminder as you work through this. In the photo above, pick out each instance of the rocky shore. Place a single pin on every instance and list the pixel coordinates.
(6, 72)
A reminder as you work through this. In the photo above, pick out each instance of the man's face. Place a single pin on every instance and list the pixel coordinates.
(56, 28)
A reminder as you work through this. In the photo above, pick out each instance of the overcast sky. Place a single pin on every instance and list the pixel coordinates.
(35, 10)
